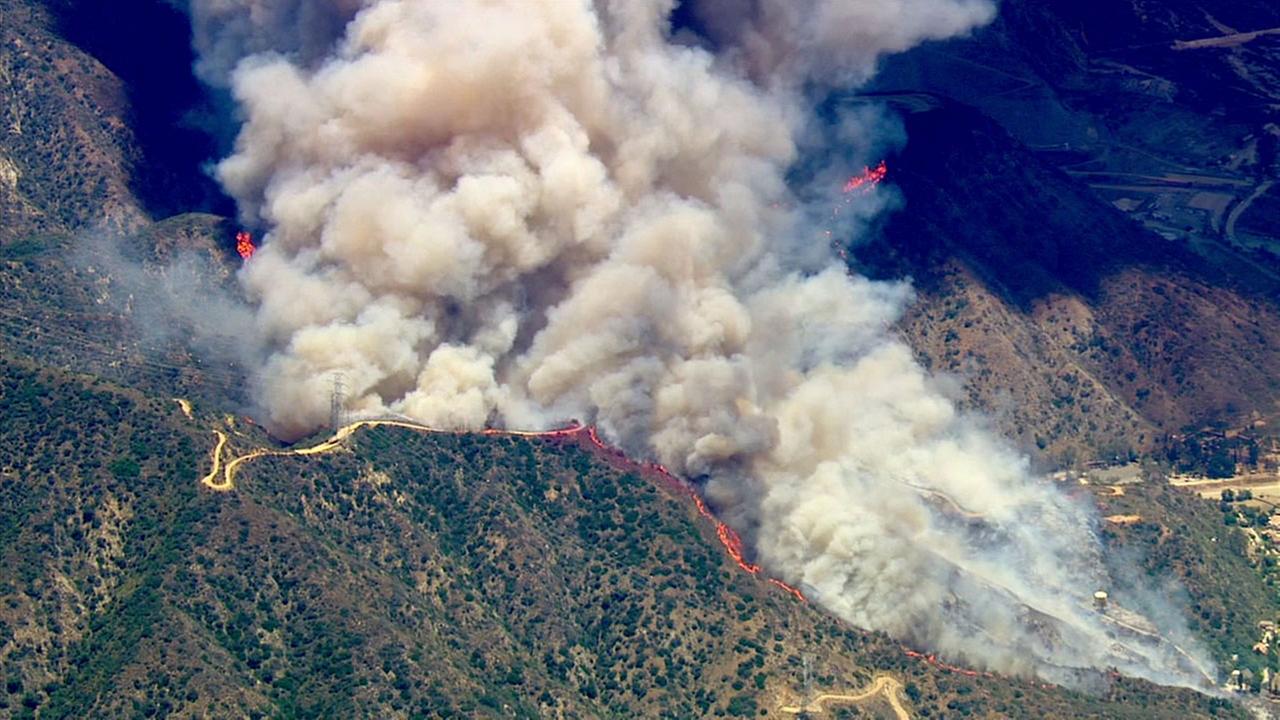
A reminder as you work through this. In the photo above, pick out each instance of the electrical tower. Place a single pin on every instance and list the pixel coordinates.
(337, 400)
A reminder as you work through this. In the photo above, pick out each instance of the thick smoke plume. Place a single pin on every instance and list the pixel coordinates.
(517, 212)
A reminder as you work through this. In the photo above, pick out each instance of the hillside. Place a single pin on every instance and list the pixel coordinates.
(96, 132)
(1083, 334)
(411, 575)
(94, 154)
(1085, 215)
(68, 153)
(416, 575)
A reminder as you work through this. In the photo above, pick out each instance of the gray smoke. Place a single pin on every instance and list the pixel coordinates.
(227, 31)
(517, 212)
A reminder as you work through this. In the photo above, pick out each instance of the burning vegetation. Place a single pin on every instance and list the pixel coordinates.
(867, 179)
(244, 245)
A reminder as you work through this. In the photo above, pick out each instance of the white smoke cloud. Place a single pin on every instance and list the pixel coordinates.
(513, 212)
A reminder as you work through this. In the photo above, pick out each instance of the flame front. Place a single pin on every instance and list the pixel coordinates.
(867, 179)
(729, 538)
(933, 660)
(244, 245)
(857, 185)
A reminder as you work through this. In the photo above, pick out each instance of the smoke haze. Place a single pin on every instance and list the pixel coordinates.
(512, 212)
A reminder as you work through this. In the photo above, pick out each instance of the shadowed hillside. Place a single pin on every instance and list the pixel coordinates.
(1084, 334)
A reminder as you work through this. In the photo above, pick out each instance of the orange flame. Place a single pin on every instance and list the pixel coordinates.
(244, 245)
(867, 179)
(798, 595)
(860, 184)
(731, 540)
(933, 660)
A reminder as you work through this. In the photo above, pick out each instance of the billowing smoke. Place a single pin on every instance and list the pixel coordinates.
(517, 212)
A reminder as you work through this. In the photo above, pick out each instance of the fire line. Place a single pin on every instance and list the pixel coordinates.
(867, 179)
(857, 185)
(728, 537)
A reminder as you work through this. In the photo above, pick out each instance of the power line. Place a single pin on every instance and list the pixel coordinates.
(129, 360)
(45, 345)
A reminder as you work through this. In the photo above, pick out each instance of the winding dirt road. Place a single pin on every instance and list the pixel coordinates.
(887, 685)
(211, 480)
(228, 471)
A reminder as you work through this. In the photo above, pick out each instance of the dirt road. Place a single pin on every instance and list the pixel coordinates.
(211, 480)
(228, 471)
(887, 685)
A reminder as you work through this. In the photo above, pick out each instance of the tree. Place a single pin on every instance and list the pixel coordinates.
(742, 706)
(1221, 465)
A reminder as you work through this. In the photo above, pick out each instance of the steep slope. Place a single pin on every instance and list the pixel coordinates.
(67, 150)
(175, 122)
(96, 304)
(417, 574)
(410, 575)
(1087, 113)
(94, 146)
(102, 130)
(1082, 333)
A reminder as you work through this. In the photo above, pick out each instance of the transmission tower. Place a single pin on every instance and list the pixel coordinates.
(337, 400)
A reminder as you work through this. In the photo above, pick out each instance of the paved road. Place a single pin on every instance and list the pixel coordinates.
(1229, 40)
(1243, 205)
